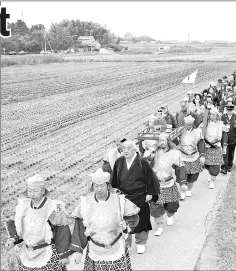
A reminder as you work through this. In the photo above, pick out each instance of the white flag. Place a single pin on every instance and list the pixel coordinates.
(190, 79)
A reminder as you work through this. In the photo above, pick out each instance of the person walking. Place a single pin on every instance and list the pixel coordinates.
(229, 120)
(165, 160)
(192, 152)
(134, 177)
(101, 217)
(41, 224)
(215, 134)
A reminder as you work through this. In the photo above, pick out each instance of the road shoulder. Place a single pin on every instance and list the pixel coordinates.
(218, 252)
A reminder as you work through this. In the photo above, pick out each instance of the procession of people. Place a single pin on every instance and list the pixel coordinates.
(138, 181)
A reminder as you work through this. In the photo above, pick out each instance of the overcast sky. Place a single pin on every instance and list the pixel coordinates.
(159, 20)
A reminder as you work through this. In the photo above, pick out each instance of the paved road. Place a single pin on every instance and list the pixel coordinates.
(180, 245)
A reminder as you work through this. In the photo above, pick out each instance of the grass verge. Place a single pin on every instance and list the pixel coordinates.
(225, 227)
(30, 60)
(219, 249)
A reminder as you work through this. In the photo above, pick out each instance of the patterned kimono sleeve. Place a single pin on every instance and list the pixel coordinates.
(79, 240)
(179, 167)
(61, 231)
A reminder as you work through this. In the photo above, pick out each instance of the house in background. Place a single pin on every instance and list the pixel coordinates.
(87, 43)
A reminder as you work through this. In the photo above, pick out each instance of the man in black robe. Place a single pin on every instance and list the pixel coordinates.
(229, 120)
(134, 177)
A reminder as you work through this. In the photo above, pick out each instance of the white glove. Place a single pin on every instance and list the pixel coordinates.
(65, 261)
(202, 160)
(78, 257)
(224, 150)
(183, 188)
(148, 198)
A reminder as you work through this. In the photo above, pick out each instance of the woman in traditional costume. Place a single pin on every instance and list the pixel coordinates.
(41, 224)
(215, 134)
(165, 160)
(192, 149)
(100, 219)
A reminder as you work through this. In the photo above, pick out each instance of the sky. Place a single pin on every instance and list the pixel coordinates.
(159, 20)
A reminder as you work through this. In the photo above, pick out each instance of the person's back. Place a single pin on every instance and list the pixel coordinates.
(184, 112)
(181, 114)
(171, 120)
(198, 119)
(160, 120)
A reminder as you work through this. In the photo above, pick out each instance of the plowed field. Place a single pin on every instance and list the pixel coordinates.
(59, 119)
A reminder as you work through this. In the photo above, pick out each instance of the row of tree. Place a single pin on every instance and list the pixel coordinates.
(131, 38)
(61, 36)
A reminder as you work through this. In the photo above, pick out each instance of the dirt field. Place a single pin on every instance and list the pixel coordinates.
(58, 119)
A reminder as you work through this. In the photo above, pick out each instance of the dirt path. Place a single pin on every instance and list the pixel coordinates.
(180, 245)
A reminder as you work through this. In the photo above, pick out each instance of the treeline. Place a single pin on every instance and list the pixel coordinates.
(61, 36)
(140, 38)
(129, 37)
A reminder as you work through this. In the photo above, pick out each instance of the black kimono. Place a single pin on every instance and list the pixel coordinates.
(229, 156)
(136, 183)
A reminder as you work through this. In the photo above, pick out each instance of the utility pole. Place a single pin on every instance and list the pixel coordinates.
(22, 16)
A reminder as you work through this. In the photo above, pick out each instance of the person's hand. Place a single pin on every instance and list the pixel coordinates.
(224, 150)
(78, 257)
(183, 188)
(202, 160)
(148, 198)
(65, 261)
(10, 242)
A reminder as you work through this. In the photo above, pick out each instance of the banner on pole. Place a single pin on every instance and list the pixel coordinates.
(190, 79)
